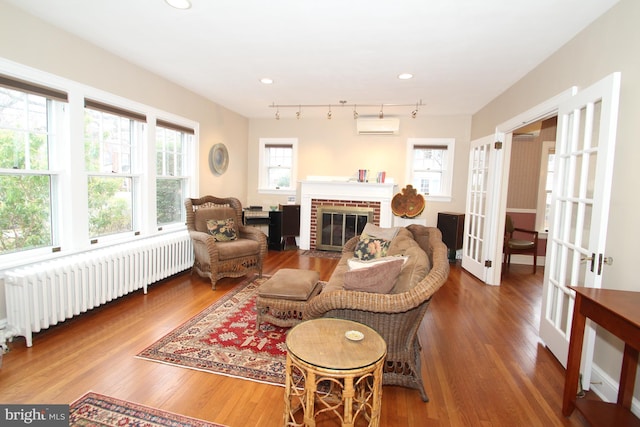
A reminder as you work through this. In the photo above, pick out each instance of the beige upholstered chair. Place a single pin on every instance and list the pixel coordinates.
(217, 259)
(396, 317)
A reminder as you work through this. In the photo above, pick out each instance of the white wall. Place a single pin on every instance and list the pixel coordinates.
(609, 44)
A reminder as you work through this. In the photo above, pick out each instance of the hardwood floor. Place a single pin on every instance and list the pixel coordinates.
(483, 364)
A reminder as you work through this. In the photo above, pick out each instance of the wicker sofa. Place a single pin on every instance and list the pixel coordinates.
(397, 314)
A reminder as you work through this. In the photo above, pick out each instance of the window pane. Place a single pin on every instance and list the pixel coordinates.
(108, 142)
(429, 159)
(110, 205)
(169, 200)
(279, 163)
(428, 182)
(279, 177)
(23, 130)
(25, 212)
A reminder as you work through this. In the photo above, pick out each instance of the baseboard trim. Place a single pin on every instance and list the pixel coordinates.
(606, 388)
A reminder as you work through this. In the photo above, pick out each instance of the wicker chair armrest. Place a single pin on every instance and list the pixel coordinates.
(254, 233)
(207, 240)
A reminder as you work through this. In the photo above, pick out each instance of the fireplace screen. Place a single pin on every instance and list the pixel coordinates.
(338, 224)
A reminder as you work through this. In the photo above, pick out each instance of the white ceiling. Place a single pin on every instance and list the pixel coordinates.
(463, 53)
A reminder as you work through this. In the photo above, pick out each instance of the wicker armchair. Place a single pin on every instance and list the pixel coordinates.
(395, 316)
(218, 259)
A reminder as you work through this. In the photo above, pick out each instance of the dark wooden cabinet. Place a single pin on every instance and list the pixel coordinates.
(451, 225)
(284, 226)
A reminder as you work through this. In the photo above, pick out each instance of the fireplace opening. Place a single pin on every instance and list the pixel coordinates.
(338, 224)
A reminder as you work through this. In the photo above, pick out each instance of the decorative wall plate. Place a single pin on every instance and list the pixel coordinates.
(218, 159)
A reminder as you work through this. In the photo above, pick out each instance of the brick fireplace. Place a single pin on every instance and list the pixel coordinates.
(343, 194)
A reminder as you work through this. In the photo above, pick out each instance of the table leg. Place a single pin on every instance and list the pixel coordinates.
(627, 376)
(310, 397)
(347, 401)
(377, 396)
(573, 360)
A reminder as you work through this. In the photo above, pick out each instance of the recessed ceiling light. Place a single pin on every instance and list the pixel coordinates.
(179, 4)
(266, 81)
(405, 76)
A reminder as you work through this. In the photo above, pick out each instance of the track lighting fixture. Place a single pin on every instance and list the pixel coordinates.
(355, 107)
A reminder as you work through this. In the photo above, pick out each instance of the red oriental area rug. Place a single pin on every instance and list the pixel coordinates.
(94, 409)
(222, 339)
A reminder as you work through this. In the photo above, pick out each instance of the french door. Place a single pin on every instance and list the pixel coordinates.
(579, 213)
(478, 224)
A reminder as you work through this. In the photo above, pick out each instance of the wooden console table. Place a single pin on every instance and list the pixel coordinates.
(617, 312)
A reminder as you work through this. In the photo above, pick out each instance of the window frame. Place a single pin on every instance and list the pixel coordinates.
(548, 148)
(445, 195)
(187, 135)
(263, 187)
(57, 121)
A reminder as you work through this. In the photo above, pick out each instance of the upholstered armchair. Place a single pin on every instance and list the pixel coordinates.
(519, 241)
(396, 317)
(222, 245)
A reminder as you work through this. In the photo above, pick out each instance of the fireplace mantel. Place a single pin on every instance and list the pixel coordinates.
(343, 191)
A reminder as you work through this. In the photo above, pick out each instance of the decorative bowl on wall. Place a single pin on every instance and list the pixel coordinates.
(408, 203)
(218, 159)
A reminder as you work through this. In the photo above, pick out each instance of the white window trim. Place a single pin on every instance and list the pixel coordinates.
(447, 184)
(262, 170)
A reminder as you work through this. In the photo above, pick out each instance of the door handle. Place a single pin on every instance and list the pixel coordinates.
(592, 258)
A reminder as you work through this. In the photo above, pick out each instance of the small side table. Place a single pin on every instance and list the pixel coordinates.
(617, 312)
(328, 373)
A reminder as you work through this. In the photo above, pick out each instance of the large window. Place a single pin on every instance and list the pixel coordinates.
(173, 145)
(30, 117)
(278, 164)
(431, 166)
(112, 138)
(87, 169)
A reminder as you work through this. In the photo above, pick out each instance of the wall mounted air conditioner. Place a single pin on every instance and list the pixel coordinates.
(376, 126)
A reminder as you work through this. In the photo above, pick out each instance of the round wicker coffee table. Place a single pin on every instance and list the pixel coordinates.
(334, 366)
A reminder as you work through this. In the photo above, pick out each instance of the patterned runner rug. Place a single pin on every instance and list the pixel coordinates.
(94, 409)
(223, 339)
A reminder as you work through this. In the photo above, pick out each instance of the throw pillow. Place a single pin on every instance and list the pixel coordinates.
(355, 263)
(370, 248)
(372, 230)
(379, 278)
(222, 230)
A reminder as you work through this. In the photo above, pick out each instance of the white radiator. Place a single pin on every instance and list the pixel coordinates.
(43, 294)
